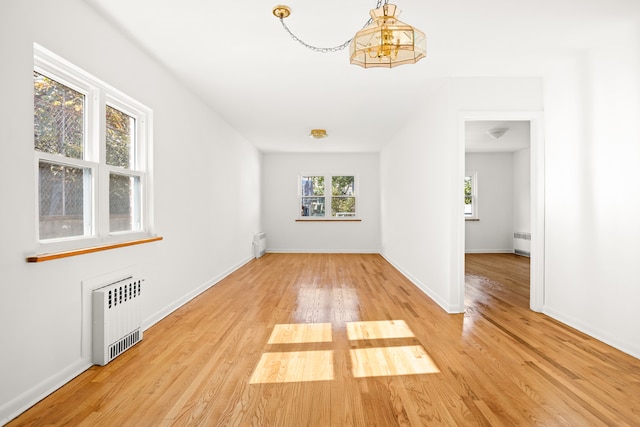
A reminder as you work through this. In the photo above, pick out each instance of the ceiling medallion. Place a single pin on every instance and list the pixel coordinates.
(281, 11)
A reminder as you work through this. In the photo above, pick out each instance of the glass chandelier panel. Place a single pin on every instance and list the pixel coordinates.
(386, 41)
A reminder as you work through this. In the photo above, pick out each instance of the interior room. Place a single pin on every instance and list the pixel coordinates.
(497, 160)
(269, 154)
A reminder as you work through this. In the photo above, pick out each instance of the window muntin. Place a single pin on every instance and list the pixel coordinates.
(90, 144)
(470, 196)
(316, 196)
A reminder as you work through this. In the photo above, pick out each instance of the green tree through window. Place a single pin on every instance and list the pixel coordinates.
(315, 195)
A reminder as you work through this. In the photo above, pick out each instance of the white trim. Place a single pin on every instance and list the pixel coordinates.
(488, 251)
(24, 401)
(164, 312)
(328, 196)
(593, 332)
(98, 94)
(536, 119)
(438, 299)
(323, 251)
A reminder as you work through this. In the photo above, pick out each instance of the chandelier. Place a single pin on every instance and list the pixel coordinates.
(384, 41)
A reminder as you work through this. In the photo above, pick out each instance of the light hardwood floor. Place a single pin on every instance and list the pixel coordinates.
(345, 340)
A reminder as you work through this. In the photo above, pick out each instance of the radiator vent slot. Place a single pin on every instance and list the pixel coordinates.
(522, 243)
(117, 348)
(259, 244)
(117, 319)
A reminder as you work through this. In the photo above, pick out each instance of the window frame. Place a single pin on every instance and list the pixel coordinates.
(98, 95)
(328, 198)
(474, 216)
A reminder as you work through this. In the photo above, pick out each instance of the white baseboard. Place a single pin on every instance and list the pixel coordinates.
(323, 251)
(164, 312)
(488, 251)
(24, 401)
(427, 291)
(592, 332)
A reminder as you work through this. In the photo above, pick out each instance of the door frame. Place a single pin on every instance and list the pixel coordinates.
(536, 120)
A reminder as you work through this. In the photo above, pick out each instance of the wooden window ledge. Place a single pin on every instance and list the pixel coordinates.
(75, 252)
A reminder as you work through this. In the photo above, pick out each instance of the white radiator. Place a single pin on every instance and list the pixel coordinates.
(522, 243)
(259, 244)
(117, 319)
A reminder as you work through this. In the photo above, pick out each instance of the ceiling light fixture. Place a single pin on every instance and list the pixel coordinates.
(384, 41)
(318, 133)
(497, 133)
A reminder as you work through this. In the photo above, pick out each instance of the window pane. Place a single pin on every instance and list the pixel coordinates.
(343, 206)
(124, 203)
(64, 197)
(312, 206)
(313, 186)
(120, 138)
(467, 189)
(468, 196)
(58, 117)
(342, 185)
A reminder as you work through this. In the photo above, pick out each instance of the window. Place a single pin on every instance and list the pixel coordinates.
(91, 148)
(471, 196)
(316, 196)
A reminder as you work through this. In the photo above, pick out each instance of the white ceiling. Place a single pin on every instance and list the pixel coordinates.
(239, 59)
(477, 140)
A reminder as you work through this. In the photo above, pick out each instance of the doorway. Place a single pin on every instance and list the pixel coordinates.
(536, 199)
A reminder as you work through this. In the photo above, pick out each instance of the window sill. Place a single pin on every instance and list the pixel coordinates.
(329, 220)
(65, 254)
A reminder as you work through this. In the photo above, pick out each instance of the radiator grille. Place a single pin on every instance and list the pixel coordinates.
(116, 319)
(522, 243)
(259, 244)
(117, 348)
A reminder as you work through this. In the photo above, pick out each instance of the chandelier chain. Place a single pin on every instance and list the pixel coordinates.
(328, 49)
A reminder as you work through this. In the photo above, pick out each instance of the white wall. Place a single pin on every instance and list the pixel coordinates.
(493, 233)
(417, 197)
(281, 206)
(522, 191)
(504, 185)
(420, 241)
(592, 105)
(207, 198)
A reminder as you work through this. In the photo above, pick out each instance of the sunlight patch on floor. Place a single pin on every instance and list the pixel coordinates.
(294, 366)
(301, 333)
(304, 366)
(381, 329)
(390, 361)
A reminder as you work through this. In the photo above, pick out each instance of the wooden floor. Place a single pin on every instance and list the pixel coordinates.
(345, 340)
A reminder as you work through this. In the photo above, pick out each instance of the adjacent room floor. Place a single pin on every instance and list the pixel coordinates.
(346, 340)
